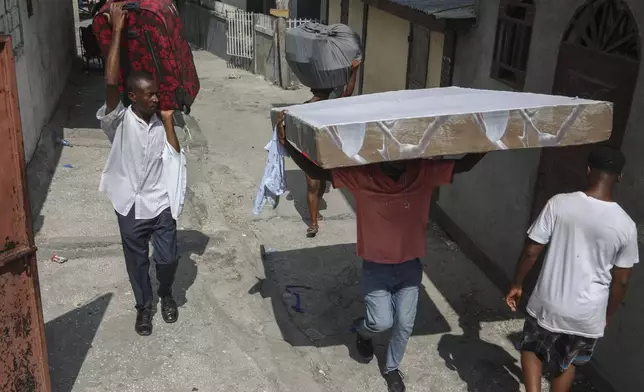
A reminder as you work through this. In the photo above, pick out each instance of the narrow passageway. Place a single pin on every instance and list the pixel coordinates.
(239, 326)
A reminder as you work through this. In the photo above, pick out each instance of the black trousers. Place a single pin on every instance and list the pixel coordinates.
(136, 235)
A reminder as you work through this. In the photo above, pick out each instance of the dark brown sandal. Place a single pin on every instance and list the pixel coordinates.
(312, 231)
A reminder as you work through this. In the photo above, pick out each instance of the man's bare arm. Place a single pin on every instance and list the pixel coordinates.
(112, 69)
(618, 286)
(309, 168)
(531, 253)
(352, 81)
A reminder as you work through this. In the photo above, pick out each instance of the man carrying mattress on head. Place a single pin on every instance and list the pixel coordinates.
(392, 211)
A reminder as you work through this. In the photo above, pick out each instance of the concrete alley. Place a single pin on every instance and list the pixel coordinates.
(239, 327)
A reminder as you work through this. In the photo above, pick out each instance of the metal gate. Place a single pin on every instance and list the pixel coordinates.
(23, 363)
(240, 34)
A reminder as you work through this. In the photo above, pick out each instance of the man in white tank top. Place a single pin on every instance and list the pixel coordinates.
(592, 250)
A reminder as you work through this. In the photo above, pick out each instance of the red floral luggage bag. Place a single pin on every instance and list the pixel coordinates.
(152, 42)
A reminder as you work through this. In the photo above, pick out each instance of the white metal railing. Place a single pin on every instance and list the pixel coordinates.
(264, 23)
(296, 22)
(11, 22)
(240, 34)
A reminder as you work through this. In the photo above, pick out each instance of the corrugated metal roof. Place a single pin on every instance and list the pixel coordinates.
(448, 9)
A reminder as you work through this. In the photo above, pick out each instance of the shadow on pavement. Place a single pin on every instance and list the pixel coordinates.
(485, 367)
(89, 97)
(76, 109)
(41, 170)
(189, 242)
(69, 339)
(316, 295)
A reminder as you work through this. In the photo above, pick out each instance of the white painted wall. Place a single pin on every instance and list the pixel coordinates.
(335, 11)
(385, 67)
(43, 64)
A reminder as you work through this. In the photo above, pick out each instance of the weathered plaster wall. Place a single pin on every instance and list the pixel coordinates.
(204, 28)
(492, 204)
(435, 59)
(385, 67)
(266, 57)
(335, 11)
(43, 64)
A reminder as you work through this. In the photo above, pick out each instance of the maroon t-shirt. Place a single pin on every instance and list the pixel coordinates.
(392, 215)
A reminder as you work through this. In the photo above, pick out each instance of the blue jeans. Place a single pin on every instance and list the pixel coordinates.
(391, 298)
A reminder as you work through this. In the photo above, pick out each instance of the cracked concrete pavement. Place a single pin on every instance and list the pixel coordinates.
(239, 326)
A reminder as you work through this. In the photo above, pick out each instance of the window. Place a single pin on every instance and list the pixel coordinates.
(30, 8)
(10, 22)
(512, 44)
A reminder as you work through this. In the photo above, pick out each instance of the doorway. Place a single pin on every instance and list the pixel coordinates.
(344, 12)
(599, 58)
(418, 59)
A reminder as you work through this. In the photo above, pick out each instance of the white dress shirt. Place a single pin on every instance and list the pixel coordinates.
(142, 170)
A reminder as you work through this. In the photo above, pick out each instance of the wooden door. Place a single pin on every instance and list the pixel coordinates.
(599, 58)
(418, 57)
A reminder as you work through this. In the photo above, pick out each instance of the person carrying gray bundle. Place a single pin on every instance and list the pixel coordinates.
(315, 188)
(320, 56)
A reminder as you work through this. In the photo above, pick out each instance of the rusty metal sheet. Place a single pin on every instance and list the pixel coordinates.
(23, 363)
(14, 224)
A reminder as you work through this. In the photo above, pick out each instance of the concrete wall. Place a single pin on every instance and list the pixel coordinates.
(435, 60)
(266, 57)
(43, 64)
(385, 68)
(356, 19)
(335, 11)
(503, 182)
(324, 14)
(242, 4)
(356, 16)
(204, 28)
(492, 203)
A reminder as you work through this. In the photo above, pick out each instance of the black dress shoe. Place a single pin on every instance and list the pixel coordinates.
(143, 325)
(395, 381)
(365, 348)
(169, 310)
(363, 345)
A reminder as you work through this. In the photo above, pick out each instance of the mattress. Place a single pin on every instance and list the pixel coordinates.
(428, 123)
